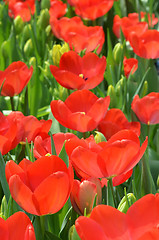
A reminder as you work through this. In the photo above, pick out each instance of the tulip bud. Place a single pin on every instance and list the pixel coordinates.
(4, 208)
(26, 32)
(117, 52)
(45, 4)
(57, 52)
(19, 24)
(28, 48)
(99, 137)
(112, 94)
(126, 202)
(72, 235)
(44, 18)
(48, 30)
(144, 89)
(32, 62)
(158, 181)
(5, 49)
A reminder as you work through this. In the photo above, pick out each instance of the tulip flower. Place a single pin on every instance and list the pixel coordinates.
(147, 108)
(41, 187)
(79, 111)
(83, 194)
(10, 134)
(14, 78)
(77, 35)
(145, 45)
(24, 9)
(130, 66)
(77, 72)
(43, 146)
(140, 222)
(132, 23)
(17, 226)
(115, 121)
(57, 9)
(29, 126)
(92, 9)
(108, 159)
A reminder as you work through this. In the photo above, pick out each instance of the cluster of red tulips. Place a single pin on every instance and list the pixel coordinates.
(79, 115)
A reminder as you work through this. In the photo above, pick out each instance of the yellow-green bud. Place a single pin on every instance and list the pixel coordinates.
(144, 89)
(99, 137)
(32, 62)
(5, 49)
(73, 235)
(45, 4)
(158, 181)
(19, 24)
(126, 202)
(117, 52)
(57, 52)
(112, 94)
(48, 30)
(26, 32)
(28, 48)
(44, 18)
(4, 207)
(119, 86)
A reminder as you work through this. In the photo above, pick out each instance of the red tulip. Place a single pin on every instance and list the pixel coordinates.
(18, 226)
(30, 125)
(43, 146)
(79, 111)
(145, 45)
(108, 159)
(132, 23)
(57, 9)
(24, 9)
(10, 134)
(83, 195)
(92, 9)
(77, 35)
(77, 72)
(115, 121)
(40, 187)
(15, 78)
(129, 24)
(147, 108)
(140, 222)
(130, 66)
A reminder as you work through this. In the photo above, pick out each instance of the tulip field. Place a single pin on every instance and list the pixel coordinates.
(79, 120)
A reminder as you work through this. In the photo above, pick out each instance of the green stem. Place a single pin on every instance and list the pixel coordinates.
(12, 103)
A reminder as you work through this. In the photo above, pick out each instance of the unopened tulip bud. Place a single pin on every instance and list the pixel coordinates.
(26, 32)
(112, 94)
(48, 30)
(5, 49)
(72, 235)
(32, 62)
(117, 52)
(144, 89)
(45, 4)
(99, 137)
(126, 203)
(119, 86)
(158, 181)
(19, 24)
(44, 18)
(57, 52)
(28, 48)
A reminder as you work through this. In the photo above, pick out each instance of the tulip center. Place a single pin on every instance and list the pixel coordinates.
(82, 76)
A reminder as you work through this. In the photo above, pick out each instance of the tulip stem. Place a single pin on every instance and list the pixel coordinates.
(111, 201)
(12, 103)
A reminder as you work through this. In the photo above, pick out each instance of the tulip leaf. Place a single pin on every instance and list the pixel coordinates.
(63, 155)
(53, 150)
(50, 236)
(3, 178)
(110, 194)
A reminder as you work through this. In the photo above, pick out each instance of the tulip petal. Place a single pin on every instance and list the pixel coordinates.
(88, 229)
(22, 194)
(52, 201)
(4, 232)
(18, 224)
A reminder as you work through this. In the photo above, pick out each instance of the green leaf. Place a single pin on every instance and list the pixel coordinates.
(63, 155)
(3, 178)
(50, 236)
